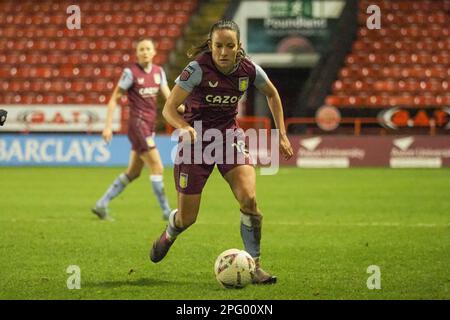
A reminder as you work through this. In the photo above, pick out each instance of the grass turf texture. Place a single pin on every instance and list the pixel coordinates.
(322, 229)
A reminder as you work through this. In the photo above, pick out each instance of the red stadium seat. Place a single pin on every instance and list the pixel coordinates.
(68, 71)
(410, 85)
(10, 98)
(173, 31)
(165, 44)
(405, 101)
(378, 101)
(103, 86)
(443, 99)
(188, 6)
(425, 101)
(41, 56)
(77, 86)
(337, 85)
(180, 18)
(438, 72)
(346, 72)
(334, 101)
(160, 59)
(50, 99)
(60, 86)
(5, 85)
(385, 85)
(59, 20)
(405, 63)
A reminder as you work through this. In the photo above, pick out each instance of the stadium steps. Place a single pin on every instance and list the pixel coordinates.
(208, 13)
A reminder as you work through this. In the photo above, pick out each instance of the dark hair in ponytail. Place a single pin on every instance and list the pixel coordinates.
(219, 25)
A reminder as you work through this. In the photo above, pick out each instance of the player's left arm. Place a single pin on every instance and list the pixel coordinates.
(274, 101)
(165, 90)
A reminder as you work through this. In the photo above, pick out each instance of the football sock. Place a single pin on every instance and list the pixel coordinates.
(251, 233)
(114, 189)
(172, 230)
(158, 189)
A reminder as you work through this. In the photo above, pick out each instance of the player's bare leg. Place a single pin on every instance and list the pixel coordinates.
(153, 161)
(133, 171)
(179, 220)
(242, 180)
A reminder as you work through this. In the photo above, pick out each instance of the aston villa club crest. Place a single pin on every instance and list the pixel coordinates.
(243, 84)
(140, 81)
(150, 142)
(183, 180)
(157, 78)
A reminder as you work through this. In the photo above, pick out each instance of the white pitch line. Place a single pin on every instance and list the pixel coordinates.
(285, 223)
(358, 224)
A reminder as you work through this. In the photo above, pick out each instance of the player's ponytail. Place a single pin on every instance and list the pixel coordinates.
(194, 51)
(219, 25)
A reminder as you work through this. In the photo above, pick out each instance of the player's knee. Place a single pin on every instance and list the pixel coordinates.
(133, 175)
(157, 169)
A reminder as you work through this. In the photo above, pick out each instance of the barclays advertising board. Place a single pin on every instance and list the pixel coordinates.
(72, 150)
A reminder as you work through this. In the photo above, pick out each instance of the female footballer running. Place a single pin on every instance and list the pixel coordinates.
(210, 87)
(142, 82)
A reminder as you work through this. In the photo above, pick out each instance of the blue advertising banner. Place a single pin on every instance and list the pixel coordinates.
(72, 150)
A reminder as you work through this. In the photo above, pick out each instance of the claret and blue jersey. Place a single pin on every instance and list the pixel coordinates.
(214, 96)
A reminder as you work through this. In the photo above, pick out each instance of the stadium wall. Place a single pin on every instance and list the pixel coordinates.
(309, 151)
(370, 151)
(72, 150)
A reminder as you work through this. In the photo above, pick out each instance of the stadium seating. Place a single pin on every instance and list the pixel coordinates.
(405, 63)
(42, 61)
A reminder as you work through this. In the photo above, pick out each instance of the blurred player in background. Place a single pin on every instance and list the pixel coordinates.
(210, 87)
(141, 82)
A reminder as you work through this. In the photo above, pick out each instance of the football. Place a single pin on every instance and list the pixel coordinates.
(234, 268)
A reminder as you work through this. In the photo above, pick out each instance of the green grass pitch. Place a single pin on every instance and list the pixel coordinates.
(322, 230)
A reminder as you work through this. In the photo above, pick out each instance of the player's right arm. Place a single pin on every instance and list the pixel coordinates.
(125, 82)
(112, 104)
(172, 116)
(185, 84)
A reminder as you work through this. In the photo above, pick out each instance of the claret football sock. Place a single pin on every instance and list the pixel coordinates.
(161, 246)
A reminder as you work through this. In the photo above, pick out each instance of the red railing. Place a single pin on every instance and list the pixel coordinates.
(265, 123)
